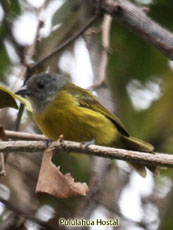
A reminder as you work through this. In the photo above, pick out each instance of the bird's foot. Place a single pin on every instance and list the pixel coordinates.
(48, 142)
(85, 144)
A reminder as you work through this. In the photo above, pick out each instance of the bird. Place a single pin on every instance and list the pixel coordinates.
(63, 108)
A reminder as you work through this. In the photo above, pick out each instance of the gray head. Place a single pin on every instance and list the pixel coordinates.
(42, 88)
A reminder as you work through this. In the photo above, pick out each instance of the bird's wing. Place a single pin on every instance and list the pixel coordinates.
(88, 100)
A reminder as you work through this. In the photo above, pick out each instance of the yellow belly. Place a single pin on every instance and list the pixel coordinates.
(75, 123)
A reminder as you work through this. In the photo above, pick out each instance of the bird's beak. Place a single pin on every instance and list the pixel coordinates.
(24, 91)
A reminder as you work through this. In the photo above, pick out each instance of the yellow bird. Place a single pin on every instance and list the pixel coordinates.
(60, 107)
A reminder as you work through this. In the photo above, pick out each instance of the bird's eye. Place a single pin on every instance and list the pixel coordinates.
(40, 85)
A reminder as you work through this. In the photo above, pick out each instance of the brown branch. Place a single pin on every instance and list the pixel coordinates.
(3, 171)
(24, 136)
(3, 137)
(135, 19)
(106, 26)
(159, 159)
(19, 116)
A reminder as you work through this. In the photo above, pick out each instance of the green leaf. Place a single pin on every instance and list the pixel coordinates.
(8, 99)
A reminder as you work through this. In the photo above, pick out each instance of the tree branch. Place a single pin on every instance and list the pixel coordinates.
(159, 159)
(68, 41)
(105, 36)
(24, 136)
(3, 171)
(136, 20)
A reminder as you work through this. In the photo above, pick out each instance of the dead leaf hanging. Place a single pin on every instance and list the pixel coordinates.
(53, 182)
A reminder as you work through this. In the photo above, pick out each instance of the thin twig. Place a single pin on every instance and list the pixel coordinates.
(159, 159)
(106, 47)
(19, 116)
(24, 136)
(3, 171)
(106, 26)
(3, 137)
(65, 44)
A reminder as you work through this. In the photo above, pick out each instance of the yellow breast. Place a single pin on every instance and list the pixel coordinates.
(65, 116)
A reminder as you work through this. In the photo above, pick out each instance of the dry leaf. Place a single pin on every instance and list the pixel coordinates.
(53, 182)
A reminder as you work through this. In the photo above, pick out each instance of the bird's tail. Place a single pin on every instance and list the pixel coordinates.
(135, 144)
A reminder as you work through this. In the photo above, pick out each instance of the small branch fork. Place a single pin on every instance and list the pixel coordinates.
(159, 159)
